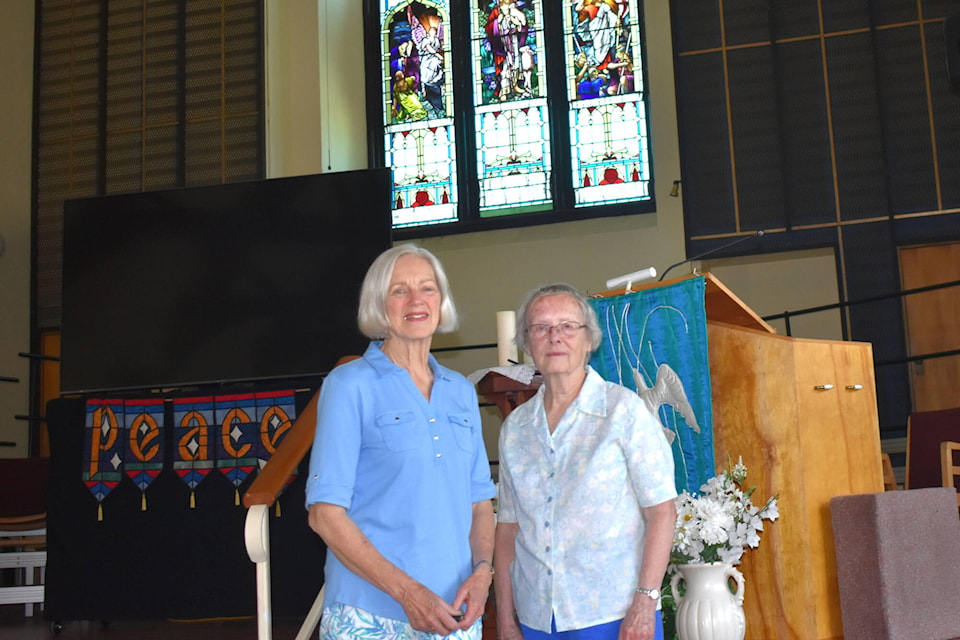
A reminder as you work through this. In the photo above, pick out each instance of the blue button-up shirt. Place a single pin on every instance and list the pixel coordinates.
(407, 470)
(576, 496)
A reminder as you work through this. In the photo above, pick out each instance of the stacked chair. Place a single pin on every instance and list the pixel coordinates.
(23, 529)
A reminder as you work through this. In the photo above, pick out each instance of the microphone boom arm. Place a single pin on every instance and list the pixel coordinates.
(758, 234)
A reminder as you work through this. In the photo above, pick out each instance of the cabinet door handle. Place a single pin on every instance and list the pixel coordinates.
(823, 387)
(854, 387)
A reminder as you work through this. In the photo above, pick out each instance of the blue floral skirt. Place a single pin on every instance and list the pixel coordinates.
(341, 621)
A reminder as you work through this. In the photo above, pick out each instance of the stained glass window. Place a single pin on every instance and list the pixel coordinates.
(478, 126)
(608, 145)
(510, 103)
(418, 112)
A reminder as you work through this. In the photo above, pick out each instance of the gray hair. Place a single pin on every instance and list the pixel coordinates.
(372, 313)
(558, 288)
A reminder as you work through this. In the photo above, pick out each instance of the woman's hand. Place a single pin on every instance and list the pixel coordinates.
(475, 589)
(660, 519)
(640, 623)
(428, 612)
(473, 592)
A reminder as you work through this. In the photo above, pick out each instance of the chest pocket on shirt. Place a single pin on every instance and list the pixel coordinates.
(398, 430)
(462, 425)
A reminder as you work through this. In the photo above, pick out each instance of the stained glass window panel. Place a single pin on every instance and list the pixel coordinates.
(510, 103)
(418, 111)
(609, 146)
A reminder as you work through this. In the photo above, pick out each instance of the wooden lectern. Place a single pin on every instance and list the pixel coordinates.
(803, 416)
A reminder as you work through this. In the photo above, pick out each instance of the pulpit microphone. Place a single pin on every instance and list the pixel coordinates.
(758, 234)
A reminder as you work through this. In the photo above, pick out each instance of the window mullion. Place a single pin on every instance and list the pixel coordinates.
(559, 106)
(462, 68)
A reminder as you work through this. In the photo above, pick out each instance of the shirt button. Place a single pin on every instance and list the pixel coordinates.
(436, 437)
(546, 525)
(547, 549)
(439, 455)
(552, 474)
(432, 420)
(549, 572)
(550, 499)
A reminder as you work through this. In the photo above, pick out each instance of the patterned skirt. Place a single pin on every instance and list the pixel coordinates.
(342, 622)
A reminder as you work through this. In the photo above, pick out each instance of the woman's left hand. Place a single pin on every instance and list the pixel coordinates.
(473, 592)
(640, 622)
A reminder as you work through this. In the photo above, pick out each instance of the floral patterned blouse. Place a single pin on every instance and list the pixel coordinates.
(577, 496)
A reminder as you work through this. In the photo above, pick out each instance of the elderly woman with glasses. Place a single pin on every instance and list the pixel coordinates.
(586, 503)
(399, 485)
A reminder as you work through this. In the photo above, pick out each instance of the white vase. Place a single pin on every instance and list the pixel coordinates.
(708, 610)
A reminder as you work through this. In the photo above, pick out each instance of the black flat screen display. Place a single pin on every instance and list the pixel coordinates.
(210, 285)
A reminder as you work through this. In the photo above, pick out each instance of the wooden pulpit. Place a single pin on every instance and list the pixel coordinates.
(803, 416)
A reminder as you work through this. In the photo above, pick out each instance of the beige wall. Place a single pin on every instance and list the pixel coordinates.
(311, 67)
(491, 270)
(16, 78)
(488, 270)
(771, 284)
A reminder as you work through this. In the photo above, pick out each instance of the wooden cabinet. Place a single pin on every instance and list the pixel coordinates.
(803, 415)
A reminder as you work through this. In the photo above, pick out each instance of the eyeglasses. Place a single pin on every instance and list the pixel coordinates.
(564, 329)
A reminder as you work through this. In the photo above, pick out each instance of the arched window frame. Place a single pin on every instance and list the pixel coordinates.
(461, 66)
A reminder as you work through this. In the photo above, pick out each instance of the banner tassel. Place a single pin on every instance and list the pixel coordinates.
(236, 497)
(99, 512)
(143, 502)
(277, 507)
(193, 501)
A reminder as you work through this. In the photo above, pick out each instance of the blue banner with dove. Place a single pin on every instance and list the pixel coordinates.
(655, 342)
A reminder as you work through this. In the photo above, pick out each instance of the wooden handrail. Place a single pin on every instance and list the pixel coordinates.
(274, 475)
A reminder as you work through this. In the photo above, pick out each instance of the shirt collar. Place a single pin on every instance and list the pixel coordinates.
(592, 398)
(384, 366)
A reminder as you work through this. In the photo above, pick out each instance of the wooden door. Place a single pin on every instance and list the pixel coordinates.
(840, 443)
(932, 321)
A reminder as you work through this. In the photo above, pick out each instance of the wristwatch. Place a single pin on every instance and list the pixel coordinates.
(653, 594)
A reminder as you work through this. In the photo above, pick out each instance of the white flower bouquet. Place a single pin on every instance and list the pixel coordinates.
(721, 522)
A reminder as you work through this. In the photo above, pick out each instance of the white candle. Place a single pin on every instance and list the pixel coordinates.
(506, 330)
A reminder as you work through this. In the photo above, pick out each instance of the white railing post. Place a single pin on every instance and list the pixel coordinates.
(256, 535)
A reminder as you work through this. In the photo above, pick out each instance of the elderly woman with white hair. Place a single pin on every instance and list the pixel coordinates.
(586, 516)
(399, 485)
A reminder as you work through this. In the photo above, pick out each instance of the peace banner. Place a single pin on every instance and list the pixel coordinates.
(275, 413)
(192, 453)
(143, 453)
(103, 448)
(237, 438)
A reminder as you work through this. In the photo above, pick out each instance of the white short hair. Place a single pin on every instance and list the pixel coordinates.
(372, 313)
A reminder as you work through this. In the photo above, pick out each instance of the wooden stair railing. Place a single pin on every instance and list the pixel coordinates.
(260, 497)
